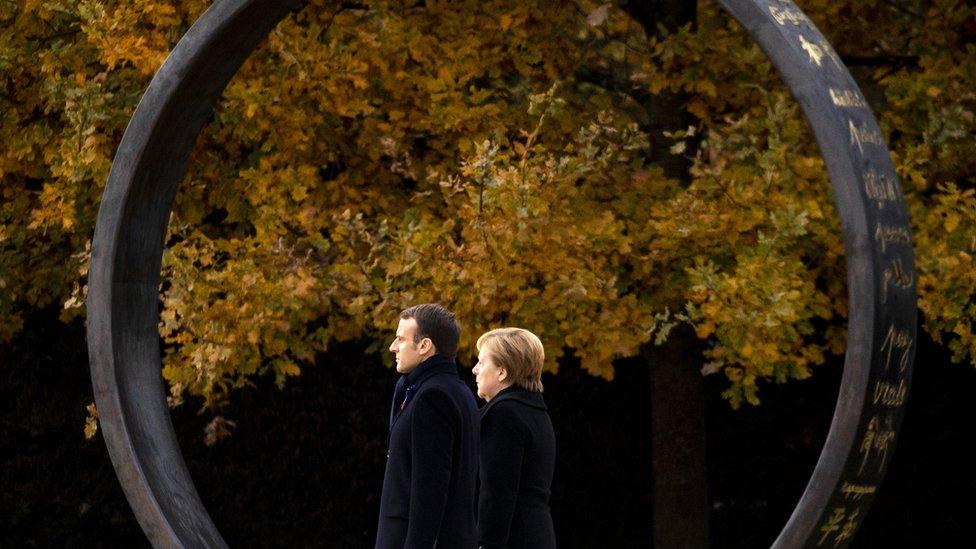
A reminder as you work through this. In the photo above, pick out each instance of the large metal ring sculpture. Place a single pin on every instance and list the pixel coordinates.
(123, 341)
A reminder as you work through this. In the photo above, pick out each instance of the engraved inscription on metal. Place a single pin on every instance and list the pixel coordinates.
(880, 274)
(123, 342)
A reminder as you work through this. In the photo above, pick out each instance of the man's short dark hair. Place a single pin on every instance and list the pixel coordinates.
(437, 323)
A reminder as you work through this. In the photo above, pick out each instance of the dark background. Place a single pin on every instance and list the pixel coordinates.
(304, 465)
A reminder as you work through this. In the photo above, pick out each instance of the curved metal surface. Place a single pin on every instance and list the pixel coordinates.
(880, 274)
(127, 249)
(123, 342)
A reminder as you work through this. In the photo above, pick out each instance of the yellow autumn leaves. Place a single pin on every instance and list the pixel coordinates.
(494, 156)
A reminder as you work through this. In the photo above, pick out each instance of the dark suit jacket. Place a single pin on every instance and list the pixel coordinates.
(518, 456)
(432, 461)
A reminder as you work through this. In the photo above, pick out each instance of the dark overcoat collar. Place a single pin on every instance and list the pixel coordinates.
(517, 394)
(437, 364)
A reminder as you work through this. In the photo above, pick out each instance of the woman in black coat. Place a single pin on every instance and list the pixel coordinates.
(518, 446)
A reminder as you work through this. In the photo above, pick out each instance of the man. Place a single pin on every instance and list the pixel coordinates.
(432, 459)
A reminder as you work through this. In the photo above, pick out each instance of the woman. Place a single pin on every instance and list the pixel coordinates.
(518, 446)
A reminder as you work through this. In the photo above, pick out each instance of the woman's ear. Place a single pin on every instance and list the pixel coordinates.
(502, 374)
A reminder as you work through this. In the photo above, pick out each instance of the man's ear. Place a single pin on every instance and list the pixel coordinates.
(426, 345)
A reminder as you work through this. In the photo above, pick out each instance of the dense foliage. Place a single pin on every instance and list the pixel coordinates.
(495, 156)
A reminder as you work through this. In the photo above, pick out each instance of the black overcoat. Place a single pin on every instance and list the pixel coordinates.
(432, 461)
(518, 456)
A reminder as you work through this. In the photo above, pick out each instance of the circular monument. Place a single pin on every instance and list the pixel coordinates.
(123, 342)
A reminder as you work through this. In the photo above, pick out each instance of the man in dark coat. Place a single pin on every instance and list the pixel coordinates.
(432, 460)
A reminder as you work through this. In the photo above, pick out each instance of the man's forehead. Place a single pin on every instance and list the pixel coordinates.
(406, 326)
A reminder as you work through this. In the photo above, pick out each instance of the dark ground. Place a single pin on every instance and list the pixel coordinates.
(305, 464)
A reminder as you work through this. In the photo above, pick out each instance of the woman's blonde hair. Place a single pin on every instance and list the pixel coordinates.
(519, 352)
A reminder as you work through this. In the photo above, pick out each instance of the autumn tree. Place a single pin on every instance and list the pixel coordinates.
(615, 176)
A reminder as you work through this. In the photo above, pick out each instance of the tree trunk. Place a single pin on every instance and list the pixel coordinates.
(681, 508)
